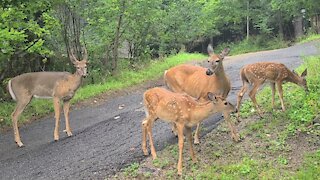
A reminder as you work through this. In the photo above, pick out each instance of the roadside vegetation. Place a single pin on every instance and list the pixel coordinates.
(281, 145)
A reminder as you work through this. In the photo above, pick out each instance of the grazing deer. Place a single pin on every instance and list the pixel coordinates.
(180, 109)
(197, 81)
(276, 73)
(61, 86)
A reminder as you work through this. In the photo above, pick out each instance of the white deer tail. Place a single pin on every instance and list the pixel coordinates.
(11, 91)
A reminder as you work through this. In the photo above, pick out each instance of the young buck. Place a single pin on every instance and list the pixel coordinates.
(61, 86)
(276, 73)
(196, 81)
(180, 109)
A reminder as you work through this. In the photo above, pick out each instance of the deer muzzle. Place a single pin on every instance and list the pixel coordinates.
(209, 72)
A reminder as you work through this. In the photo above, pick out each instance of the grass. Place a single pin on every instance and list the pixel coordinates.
(308, 38)
(126, 78)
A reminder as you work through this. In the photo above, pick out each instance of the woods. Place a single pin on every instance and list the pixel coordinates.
(38, 36)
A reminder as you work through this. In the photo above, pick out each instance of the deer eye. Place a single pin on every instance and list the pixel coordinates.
(225, 103)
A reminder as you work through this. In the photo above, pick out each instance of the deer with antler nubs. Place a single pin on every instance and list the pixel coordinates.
(61, 86)
(182, 110)
(276, 73)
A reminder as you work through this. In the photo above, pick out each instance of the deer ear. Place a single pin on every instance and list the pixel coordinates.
(225, 52)
(210, 49)
(294, 72)
(304, 74)
(212, 97)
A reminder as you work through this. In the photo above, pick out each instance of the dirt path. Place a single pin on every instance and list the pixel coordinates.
(102, 144)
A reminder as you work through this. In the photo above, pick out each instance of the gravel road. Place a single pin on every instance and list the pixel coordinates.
(107, 138)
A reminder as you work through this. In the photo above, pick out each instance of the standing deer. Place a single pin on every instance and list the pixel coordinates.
(180, 109)
(197, 81)
(61, 86)
(276, 73)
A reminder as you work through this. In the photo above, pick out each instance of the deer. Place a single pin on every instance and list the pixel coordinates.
(276, 73)
(182, 110)
(196, 81)
(60, 86)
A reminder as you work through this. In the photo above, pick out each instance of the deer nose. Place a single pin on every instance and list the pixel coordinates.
(209, 72)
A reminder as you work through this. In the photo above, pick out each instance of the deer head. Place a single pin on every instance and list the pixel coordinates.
(221, 103)
(215, 60)
(302, 79)
(81, 66)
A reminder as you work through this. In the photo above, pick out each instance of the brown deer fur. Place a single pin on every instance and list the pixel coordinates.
(180, 109)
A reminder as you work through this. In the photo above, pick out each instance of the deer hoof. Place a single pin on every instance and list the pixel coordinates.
(20, 144)
(236, 137)
(145, 152)
(69, 133)
(196, 141)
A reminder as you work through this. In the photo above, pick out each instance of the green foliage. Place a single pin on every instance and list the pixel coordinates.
(160, 163)
(308, 38)
(310, 168)
(254, 44)
(132, 170)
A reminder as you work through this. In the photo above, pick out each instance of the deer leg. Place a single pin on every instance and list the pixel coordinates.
(66, 108)
(279, 85)
(240, 96)
(144, 136)
(56, 105)
(174, 129)
(234, 134)
(273, 88)
(21, 105)
(252, 95)
(189, 137)
(180, 128)
(196, 134)
(149, 125)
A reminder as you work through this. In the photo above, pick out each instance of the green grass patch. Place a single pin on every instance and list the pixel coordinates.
(310, 168)
(308, 38)
(254, 44)
(125, 78)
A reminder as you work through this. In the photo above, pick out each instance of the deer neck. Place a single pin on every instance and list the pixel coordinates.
(294, 78)
(220, 71)
(202, 110)
(77, 78)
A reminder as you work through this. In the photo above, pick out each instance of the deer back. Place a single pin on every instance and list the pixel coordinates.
(44, 84)
(273, 72)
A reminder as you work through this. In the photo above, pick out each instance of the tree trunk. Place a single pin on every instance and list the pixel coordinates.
(280, 25)
(248, 28)
(298, 26)
(117, 38)
(315, 23)
(71, 30)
